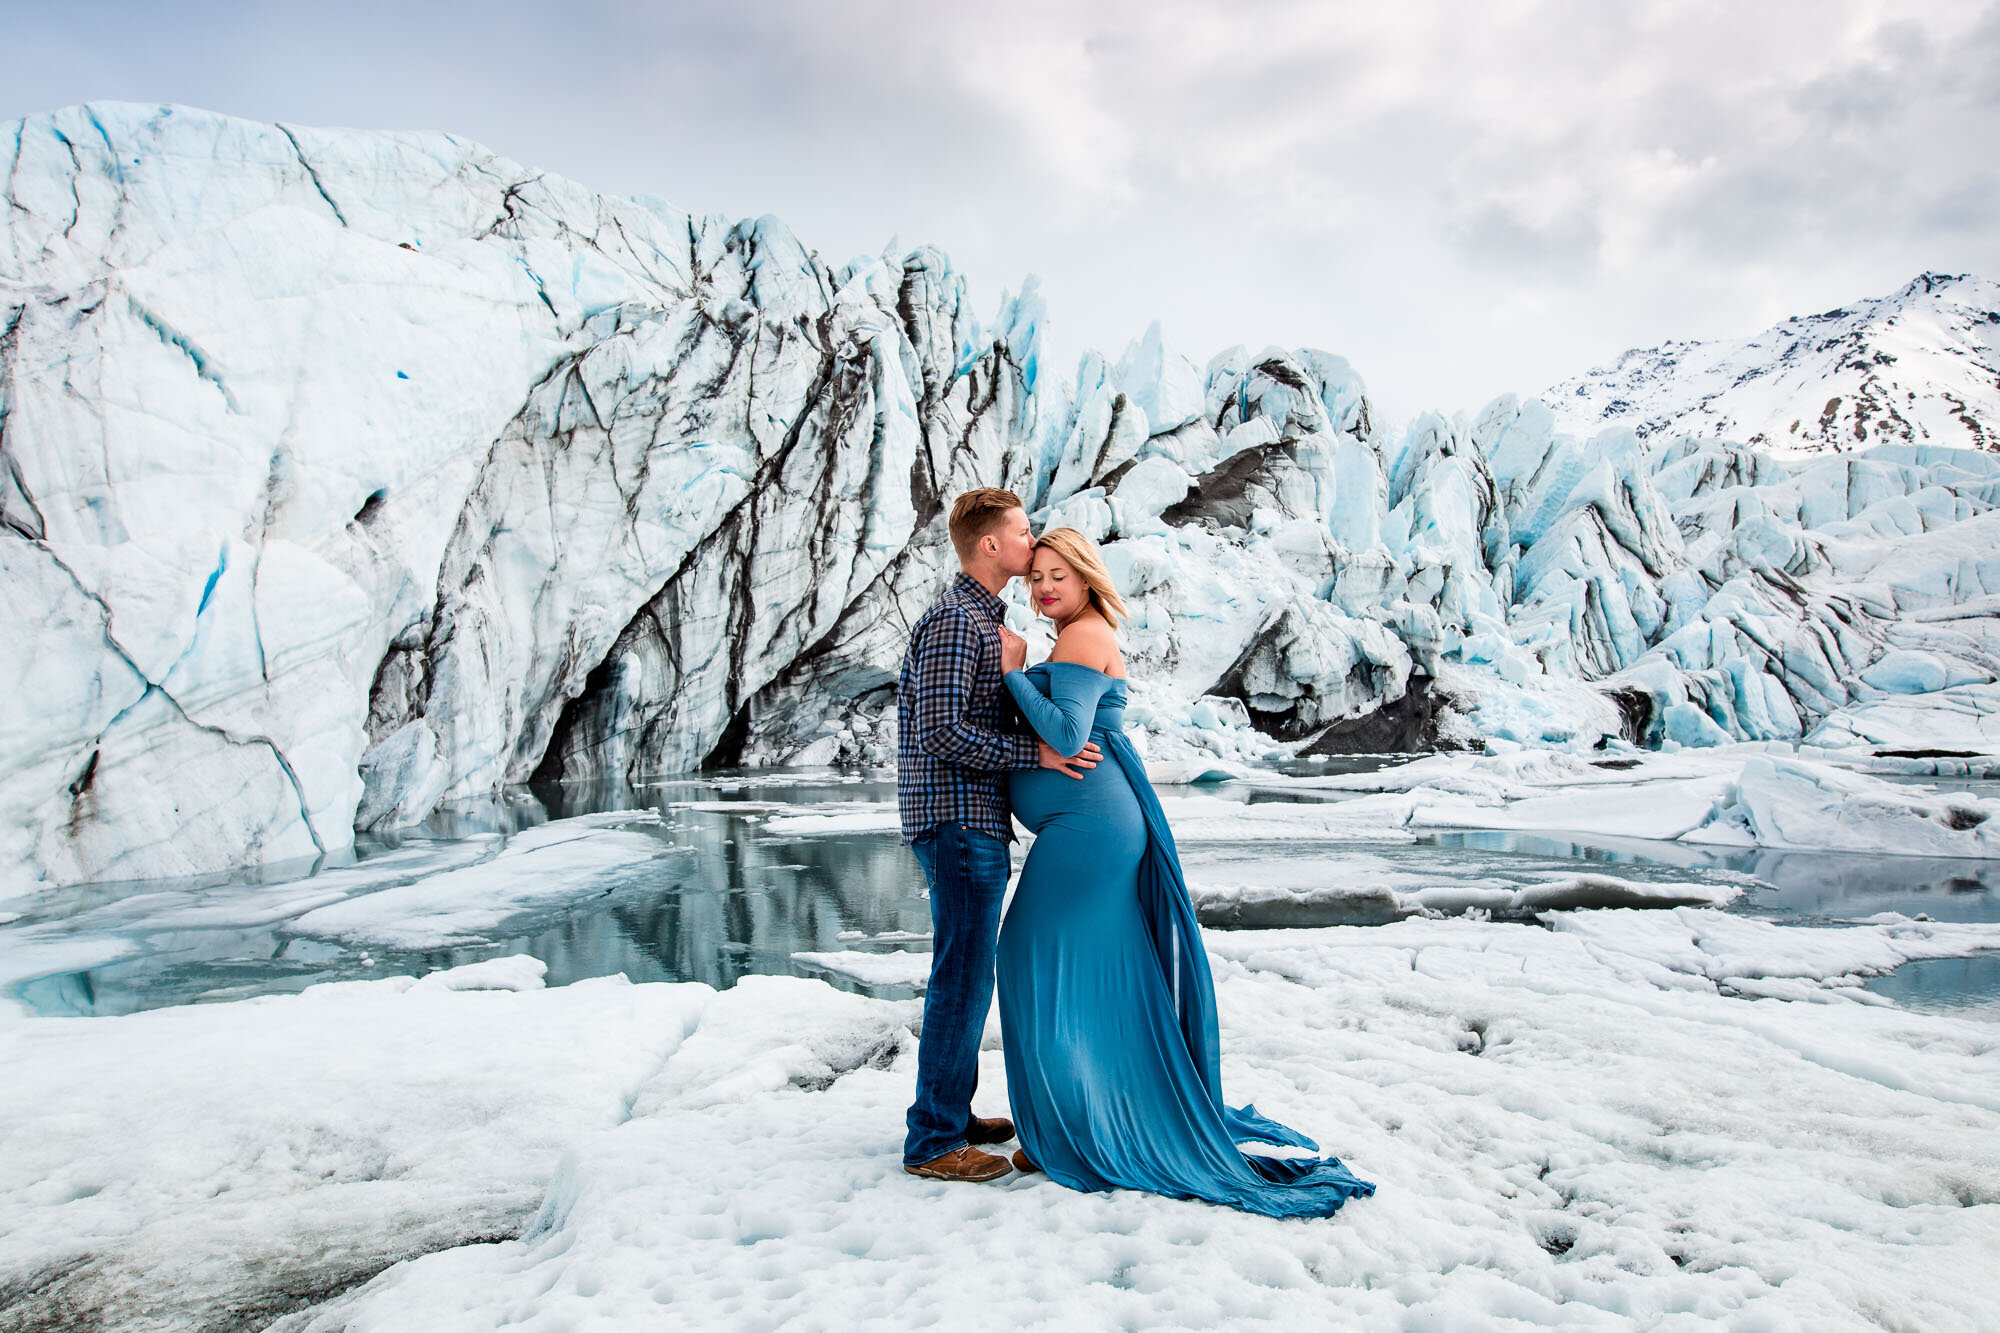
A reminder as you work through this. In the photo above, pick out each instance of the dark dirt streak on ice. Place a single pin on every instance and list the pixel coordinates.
(82, 1293)
(96, 743)
(312, 174)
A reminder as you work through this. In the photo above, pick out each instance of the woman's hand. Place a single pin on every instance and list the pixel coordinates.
(1013, 651)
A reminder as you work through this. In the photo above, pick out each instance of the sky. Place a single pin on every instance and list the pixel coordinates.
(1461, 198)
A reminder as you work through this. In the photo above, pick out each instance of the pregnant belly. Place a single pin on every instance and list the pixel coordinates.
(1102, 802)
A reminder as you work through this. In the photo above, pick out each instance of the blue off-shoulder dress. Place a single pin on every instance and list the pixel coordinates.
(1106, 1004)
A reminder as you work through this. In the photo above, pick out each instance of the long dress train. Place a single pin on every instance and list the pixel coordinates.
(1106, 1003)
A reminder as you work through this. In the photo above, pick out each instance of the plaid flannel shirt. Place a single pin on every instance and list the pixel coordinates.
(952, 758)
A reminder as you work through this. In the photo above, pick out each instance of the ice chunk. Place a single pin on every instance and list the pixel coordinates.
(539, 868)
(1163, 385)
(1684, 724)
(1152, 486)
(1904, 671)
(1572, 892)
(898, 967)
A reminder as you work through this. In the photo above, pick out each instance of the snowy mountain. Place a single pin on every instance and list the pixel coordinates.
(1921, 366)
(348, 475)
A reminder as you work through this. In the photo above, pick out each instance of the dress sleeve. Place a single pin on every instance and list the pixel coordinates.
(1062, 717)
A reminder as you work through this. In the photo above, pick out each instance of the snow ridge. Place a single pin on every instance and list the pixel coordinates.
(1919, 366)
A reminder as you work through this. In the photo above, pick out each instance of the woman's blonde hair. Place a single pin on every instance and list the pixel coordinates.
(1082, 555)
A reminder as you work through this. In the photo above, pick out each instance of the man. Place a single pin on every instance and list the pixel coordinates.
(952, 761)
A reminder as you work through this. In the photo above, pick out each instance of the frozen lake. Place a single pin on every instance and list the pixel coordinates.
(739, 888)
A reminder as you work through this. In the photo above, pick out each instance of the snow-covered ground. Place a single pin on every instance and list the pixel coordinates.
(1665, 1117)
(1568, 1129)
(1583, 1104)
(215, 1165)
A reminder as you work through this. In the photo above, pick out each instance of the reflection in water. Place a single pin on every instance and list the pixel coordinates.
(738, 902)
(736, 899)
(748, 901)
(1967, 987)
(1794, 886)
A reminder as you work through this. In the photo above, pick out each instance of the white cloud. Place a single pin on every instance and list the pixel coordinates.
(1462, 198)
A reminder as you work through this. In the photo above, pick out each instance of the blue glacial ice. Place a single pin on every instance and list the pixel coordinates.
(512, 479)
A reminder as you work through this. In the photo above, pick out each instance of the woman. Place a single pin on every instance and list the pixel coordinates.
(1106, 1003)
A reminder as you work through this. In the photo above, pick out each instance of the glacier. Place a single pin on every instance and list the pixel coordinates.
(352, 475)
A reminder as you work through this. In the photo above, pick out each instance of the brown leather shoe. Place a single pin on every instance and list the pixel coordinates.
(989, 1129)
(1021, 1162)
(961, 1164)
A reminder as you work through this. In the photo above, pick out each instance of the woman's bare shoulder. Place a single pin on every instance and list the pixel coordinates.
(1089, 641)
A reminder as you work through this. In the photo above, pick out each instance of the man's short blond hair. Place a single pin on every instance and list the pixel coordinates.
(975, 513)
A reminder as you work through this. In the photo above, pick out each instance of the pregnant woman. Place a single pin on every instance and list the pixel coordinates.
(1106, 1002)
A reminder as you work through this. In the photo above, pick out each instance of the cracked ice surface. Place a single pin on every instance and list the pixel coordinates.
(1577, 1128)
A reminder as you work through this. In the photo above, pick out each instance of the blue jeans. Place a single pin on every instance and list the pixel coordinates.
(968, 873)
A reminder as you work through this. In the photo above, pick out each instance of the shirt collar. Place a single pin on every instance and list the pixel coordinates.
(968, 586)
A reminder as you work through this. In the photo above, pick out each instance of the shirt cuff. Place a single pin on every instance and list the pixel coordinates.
(1027, 751)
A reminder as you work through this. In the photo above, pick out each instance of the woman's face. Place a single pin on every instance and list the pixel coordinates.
(1056, 590)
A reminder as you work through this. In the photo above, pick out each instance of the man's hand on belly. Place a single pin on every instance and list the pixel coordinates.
(1075, 768)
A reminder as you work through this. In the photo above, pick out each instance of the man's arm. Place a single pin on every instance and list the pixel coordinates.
(948, 653)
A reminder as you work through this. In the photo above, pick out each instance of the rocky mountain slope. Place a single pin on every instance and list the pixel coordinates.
(351, 474)
(1920, 366)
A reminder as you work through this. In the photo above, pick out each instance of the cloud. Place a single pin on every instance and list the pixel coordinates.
(1461, 198)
